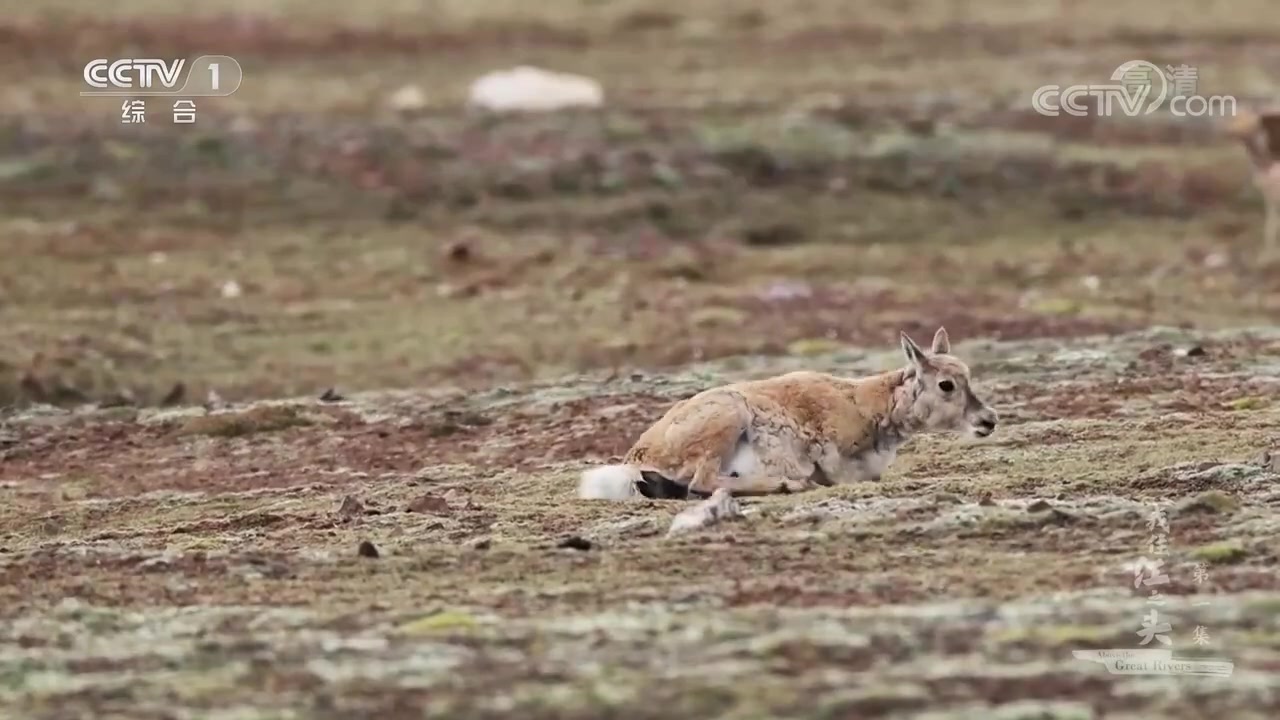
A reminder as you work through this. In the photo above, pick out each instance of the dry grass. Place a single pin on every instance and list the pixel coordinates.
(1012, 551)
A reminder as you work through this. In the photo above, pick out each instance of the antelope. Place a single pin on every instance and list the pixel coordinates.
(797, 431)
(1260, 134)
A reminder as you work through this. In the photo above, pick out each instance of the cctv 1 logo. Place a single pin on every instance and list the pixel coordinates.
(206, 76)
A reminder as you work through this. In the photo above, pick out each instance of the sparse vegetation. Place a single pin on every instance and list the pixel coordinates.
(1210, 502)
(261, 419)
(1222, 552)
(425, 321)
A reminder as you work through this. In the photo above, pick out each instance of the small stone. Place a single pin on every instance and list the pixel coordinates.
(331, 396)
(1268, 460)
(1039, 506)
(407, 99)
(367, 549)
(1217, 260)
(1061, 517)
(231, 290)
(429, 503)
(921, 126)
(779, 234)
(155, 563)
(350, 508)
(458, 252)
(444, 429)
(214, 401)
(1195, 351)
(573, 542)
(175, 395)
(123, 398)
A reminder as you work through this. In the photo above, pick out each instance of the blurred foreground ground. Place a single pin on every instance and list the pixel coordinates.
(772, 185)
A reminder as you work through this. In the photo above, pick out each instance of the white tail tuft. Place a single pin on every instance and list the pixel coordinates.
(609, 482)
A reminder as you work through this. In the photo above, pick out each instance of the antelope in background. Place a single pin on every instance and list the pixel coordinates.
(1259, 132)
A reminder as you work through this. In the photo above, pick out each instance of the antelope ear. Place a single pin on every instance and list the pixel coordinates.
(914, 354)
(941, 343)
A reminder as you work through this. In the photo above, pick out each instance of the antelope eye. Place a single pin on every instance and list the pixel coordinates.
(946, 385)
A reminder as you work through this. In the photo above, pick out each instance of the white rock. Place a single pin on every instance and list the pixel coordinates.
(1215, 261)
(531, 89)
(231, 289)
(214, 401)
(407, 99)
(719, 507)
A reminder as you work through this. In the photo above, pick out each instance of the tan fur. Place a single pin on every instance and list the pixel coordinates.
(804, 429)
(1259, 133)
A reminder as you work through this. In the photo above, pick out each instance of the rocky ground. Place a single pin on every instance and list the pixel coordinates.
(391, 551)
(294, 400)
